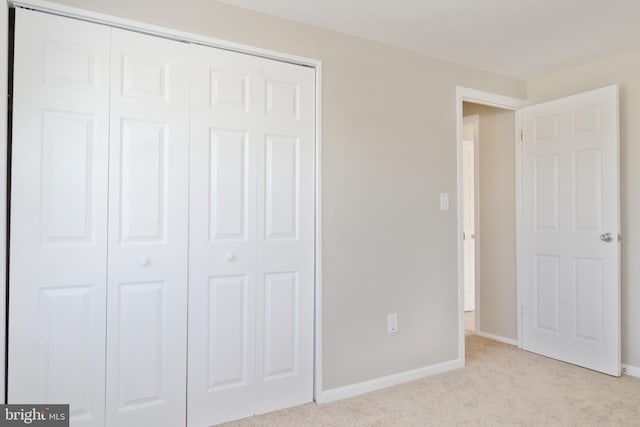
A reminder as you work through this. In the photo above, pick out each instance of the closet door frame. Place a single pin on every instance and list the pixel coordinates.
(4, 71)
(117, 22)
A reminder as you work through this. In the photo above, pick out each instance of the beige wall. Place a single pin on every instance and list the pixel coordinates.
(389, 149)
(622, 69)
(496, 232)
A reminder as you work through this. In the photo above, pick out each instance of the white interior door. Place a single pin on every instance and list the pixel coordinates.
(569, 247)
(148, 231)
(285, 237)
(469, 203)
(251, 236)
(58, 266)
(225, 103)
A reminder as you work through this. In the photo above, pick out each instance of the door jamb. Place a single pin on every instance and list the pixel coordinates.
(114, 21)
(4, 92)
(464, 94)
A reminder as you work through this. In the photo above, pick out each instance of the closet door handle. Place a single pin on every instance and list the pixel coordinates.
(144, 260)
(228, 257)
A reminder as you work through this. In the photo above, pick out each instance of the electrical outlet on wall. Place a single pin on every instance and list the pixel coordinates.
(392, 323)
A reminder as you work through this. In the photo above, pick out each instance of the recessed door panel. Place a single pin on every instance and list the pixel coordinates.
(547, 299)
(143, 209)
(281, 187)
(58, 264)
(148, 231)
(587, 190)
(228, 331)
(67, 148)
(141, 309)
(228, 169)
(547, 196)
(66, 337)
(589, 296)
(283, 99)
(70, 64)
(281, 324)
(229, 90)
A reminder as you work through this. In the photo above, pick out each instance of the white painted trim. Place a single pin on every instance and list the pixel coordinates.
(632, 371)
(388, 381)
(86, 15)
(497, 338)
(318, 235)
(4, 35)
(494, 100)
(518, 190)
(128, 24)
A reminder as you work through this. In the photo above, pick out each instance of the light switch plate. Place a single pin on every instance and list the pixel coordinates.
(392, 323)
(444, 201)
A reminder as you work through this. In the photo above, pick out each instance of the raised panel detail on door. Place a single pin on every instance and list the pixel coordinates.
(587, 190)
(546, 130)
(586, 119)
(281, 324)
(148, 231)
(66, 336)
(66, 177)
(229, 180)
(141, 332)
(58, 245)
(228, 331)
(70, 64)
(145, 78)
(547, 197)
(589, 296)
(229, 90)
(283, 99)
(281, 187)
(143, 181)
(547, 299)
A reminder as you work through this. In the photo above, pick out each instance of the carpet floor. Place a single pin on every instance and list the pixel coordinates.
(501, 386)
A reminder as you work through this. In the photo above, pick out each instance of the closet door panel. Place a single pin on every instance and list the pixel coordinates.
(59, 215)
(285, 237)
(222, 212)
(251, 234)
(148, 227)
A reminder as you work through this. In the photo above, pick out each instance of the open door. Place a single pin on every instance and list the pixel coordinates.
(469, 147)
(569, 250)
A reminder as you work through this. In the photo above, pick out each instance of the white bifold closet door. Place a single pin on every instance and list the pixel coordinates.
(58, 264)
(148, 231)
(251, 236)
(99, 223)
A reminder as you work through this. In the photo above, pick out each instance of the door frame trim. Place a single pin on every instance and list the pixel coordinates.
(138, 26)
(4, 92)
(464, 94)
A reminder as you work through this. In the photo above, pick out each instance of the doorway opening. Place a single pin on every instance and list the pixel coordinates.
(486, 218)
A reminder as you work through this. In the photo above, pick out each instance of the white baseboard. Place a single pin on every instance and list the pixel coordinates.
(632, 371)
(497, 338)
(388, 381)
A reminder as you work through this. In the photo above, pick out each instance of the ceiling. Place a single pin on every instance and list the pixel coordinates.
(514, 38)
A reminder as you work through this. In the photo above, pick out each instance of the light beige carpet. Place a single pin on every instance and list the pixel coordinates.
(501, 386)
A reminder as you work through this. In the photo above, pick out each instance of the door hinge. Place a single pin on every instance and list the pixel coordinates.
(521, 135)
